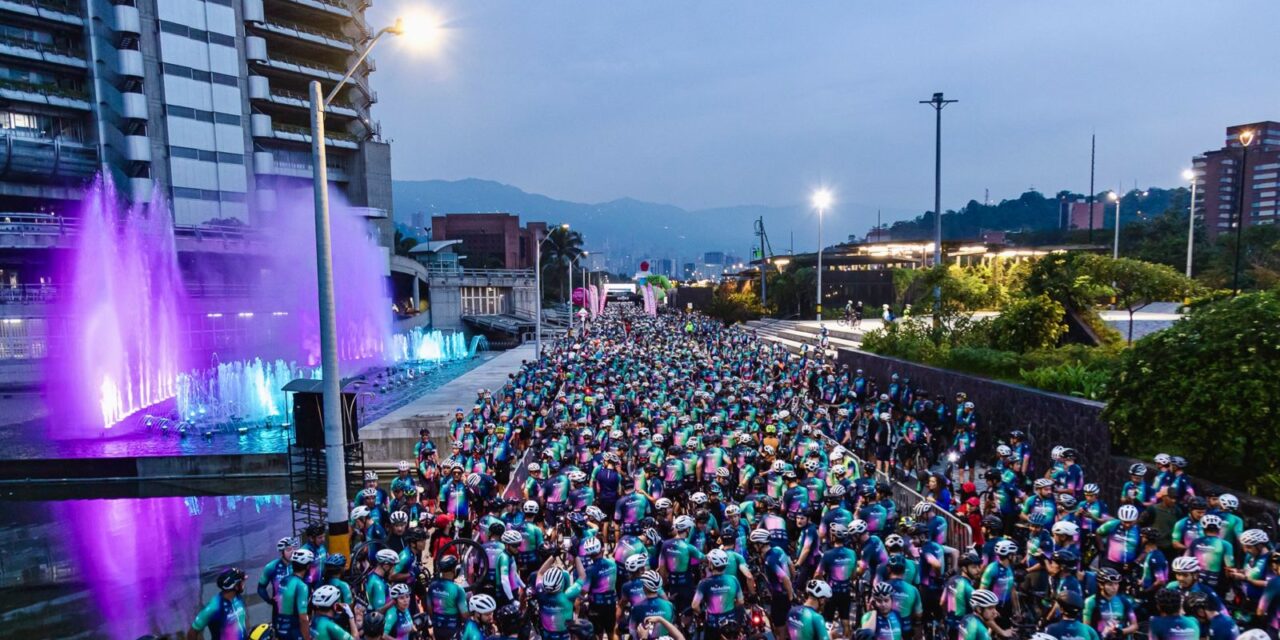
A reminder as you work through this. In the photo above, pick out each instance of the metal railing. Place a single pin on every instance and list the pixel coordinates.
(461, 272)
(311, 31)
(28, 294)
(41, 47)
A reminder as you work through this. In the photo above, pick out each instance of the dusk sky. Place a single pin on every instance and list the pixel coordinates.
(714, 103)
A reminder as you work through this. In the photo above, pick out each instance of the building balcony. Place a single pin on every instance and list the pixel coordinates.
(259, 87)
(42, 157)
(312, 70)
(48, 94)
(127, 19)
(296, 164)
(321, 37)
(131, 63)
(301, 101)
(140, 189)
(332, 7)
(295, 133)
(39, 52)
(62, 11)
(260, 126)
(255, 48)
(137, 148)
(252, 11)
(133, 105)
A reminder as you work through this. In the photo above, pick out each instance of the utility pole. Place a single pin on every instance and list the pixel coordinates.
(878, 236)
(1245, 137)
(938, 103)
(1093, 148)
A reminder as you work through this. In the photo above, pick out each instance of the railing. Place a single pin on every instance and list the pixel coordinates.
(36, 224)
(45, 89)
(28, 293)
(460, 272)
(40, 47)
(306, 100)
(319, 33)
(305, 131)
(306, 64)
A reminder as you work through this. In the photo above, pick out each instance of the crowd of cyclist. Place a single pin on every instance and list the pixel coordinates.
(670, 478)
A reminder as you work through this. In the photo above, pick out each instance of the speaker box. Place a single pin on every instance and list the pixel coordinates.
(308, 419)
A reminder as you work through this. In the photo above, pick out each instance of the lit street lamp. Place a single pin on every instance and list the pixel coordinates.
(1115, 250)
(1191, 218)
(1246, 138)
(334, 439)
(821, 201)
(537, 278)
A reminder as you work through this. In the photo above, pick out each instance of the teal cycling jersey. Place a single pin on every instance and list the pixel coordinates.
(324, 628)
(223, 617)
(804, 623)
(998, 579)
(556, 609)
(718, 594)
(446, 599)
(472, 631)
(656, 606)
(1108, 615)
(1174, 628)
(955, 597)
(972, 628)
(343, 588)
(1071, 630)
(294, 596)
(399, 624)
(886, 626)
(376, 591)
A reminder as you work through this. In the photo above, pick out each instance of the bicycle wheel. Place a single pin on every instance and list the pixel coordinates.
(473, 562)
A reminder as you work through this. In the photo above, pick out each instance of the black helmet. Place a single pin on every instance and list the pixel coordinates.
(1197, 502)
(1107, 574)
(314, 529)
(1071, 603)
(994, 523)
(970, 559)
(447, 563)
(1150, 533)
(582, 629)
(508, 618)
(1066, 558)
(227, 580)
(374, 623)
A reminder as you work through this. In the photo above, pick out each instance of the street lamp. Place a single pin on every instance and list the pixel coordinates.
(1115, 250)
(537, 278)
(334, 440)
(1191, 218)
(572, 259)
(821, 201)
(1246, 138)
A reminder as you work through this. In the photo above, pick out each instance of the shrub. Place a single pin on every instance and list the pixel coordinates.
(1206, 389)
(734, 307)
(1027, 324)
(985, 361)
(1072, 379)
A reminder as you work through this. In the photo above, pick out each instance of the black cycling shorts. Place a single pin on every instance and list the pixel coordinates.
(603, 616)
(779, 609)
(838, 606)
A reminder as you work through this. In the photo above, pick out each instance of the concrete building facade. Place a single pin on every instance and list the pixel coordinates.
(491, 240)
(1220, 177)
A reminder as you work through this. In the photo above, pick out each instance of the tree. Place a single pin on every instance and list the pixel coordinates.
(1136, 284)
(404, 244)
(1206, 389)
(731, 306)
(562, 247)
(1027, 324)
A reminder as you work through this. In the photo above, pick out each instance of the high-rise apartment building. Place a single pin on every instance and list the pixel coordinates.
(1220, 177)
(204, 100)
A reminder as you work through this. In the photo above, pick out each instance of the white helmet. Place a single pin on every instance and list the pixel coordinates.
(818, 589)
(399, 590)
(1006, 548)
(921, 509)
(1254, 537)
(302, 556)
(386, 556)
(1065, 528)
(1254, 634)
(1056, 452)
(326, 596)
(1185, 564)
(1004, 451)
(555, 580)
(403, 465)
(698, 498)
(636, 562)
(1162, 458)
(1210, 520)
(662, 504)
(399, 517)
(858, 526)
(982, 599)
(577, 476)
(684, 523)
(530, 506)
(759, 535)
(778, 466)
(732, 510)
(651, 581)
(717, 558)
(1127, 513)
(511, 536)
(1229, 502)
(595, 513)
(591, 546)
(482, 603)
(894, 540)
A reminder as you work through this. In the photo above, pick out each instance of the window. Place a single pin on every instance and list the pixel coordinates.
(226, 118)
(224, 79)
(203, 116)
(184, 152)
(224, 40)
(179, 111)
(230, 158)
(232, 196)
(199, 35)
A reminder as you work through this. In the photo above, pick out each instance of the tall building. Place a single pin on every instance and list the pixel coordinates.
(204, 100)
(1074, 213)
(490, 240)
(1220, 177)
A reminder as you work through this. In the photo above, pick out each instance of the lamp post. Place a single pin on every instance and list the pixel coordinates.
(537, 279)
(821, 200)
(1115, 249)
(572, 259)
(334, 439)
(938, 103)
(1191, 217)
(1246, 138)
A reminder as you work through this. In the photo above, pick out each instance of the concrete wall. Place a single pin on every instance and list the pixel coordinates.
(446, 307)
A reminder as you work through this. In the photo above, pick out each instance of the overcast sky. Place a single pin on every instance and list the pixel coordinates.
(704, 103)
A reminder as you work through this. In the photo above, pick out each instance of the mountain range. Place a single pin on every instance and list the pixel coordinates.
(625, 229)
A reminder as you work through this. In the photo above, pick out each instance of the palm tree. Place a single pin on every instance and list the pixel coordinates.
(561, 248)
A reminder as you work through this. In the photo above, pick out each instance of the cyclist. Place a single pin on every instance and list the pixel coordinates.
(602, 587)
(481, 621)
(324, 602)
(652, 603)
(719, 595)
(1069, 604)
(839, 566)
(224, 615)
(1214, 554)
(556, 596)
(446, 601)
(292, 621)
(1110, 613)
(803, 620)
(955, 596)
(1214, 623)
(998, 578)
(1120, 540)
(400, 623)
(677, 561)
(1169, 623)
(376, 588)
(276, 571)
(983, 605)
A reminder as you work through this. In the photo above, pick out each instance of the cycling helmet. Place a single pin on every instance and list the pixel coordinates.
(981, 599)
(1197, 503)
(370, 476)
(290, 541)
(698, 498)
(530, 506)
(684, 523)
(717, 558)
(1253, 537)
(1229, 502)
(732, 510)
(534, 467)
(1040, 635)
(836, 491)
(403, 465)
(1254, 634)
(554, 580)
(1038, 519)
(1178, 461)
(886, 416)
(366, 493)
(839, 470)
(1043, 483)
(970, 559)
(778, 466)
(921, 509)
(636, 562)
(818, 589)
(651, 581)
(482, 603)
(759, 536)
(387, 556)
(302, 556)
(1090, 489)
(1065, 528)
(1004, 451)
(858, 526)
(1004, 548)
(789, 474)
(968, 405)
(508, 618)
(1065, 557)
(374, 623)
(227, 580)
(722, 472)
(1070, 603)
(399, 517)
(1127, 513)
(1185, 564)
(993, 523)
(1211, 521)
(894, 541)
(882, 589)
(595, 513)
(838, 530)
(577, 476)
(445, 564)
(398, 590)
(652, 536)
(810, 465)
(1194, 601)
(1056, 452)
(326, 596)
(591, 546)
(1107, 574)
(1150, 533)
(1137, 469)
(1067, 501)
